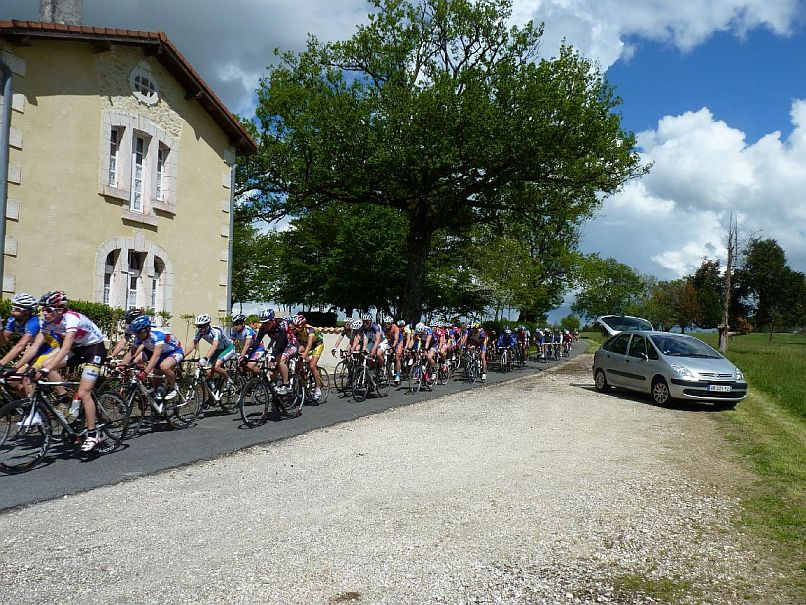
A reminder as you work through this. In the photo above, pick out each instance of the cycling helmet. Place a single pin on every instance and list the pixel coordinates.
(299, 319)
(366, 317)
(24, 301)
(131, 314)
(140, 323)
(387, 319)
(266, 315)
(239, 318)
(53, 299)
(420, 327)
(401, 323)
(202, 319)
(356, 325)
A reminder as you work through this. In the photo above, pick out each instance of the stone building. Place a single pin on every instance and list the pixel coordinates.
(120, 170)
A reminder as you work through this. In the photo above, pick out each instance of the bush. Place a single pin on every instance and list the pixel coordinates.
(109, 319)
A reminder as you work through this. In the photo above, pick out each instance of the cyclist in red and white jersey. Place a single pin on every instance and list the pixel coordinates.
(82, 344)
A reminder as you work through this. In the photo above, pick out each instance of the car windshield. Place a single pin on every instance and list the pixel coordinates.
(621, 323)
(683, 346)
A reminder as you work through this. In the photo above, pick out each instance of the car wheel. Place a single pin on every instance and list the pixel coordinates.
(660, 391)
(601, 381)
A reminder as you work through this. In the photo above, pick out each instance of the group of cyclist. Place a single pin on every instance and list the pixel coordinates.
(64, 338)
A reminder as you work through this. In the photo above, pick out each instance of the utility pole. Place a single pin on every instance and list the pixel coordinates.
(724, 327)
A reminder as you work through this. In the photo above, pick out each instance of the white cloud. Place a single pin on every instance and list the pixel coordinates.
(703, 170)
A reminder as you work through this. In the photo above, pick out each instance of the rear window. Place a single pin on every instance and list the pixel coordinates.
(621, 323)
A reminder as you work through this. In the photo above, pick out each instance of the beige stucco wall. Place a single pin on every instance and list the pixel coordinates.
(59, 222)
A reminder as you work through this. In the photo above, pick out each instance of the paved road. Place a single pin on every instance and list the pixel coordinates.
(66, 472)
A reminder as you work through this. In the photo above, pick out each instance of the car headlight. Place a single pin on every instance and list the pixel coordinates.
(739, 375)
(682, 371)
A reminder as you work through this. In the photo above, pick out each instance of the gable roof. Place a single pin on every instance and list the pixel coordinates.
(156, 44)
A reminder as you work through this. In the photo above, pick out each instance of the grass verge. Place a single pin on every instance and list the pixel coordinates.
(768, 432)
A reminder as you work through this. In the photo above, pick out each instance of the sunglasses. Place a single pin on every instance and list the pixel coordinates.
(50, 309)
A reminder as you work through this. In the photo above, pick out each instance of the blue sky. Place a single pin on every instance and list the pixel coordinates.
(715, 91)
(748, 82)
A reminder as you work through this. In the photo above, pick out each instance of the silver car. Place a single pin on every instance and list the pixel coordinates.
(668, 366)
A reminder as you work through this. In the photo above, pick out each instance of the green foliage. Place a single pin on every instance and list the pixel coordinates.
(607, 287)
(709, 286)
(440, 111)
(776, 292)
(570, 322)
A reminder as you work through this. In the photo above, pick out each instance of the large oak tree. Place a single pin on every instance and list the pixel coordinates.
(441, 110)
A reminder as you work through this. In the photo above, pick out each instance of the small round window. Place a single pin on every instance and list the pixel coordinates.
(144, 86)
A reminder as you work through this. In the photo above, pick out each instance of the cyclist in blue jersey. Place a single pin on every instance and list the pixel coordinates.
(507, 339)
(159, 349)
(371, 335)
(25, 323)
(243, 336)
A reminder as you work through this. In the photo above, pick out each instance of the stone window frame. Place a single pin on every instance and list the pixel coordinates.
(140, 245)
(127, 125)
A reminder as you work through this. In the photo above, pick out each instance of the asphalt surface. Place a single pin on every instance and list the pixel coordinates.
(66, 471)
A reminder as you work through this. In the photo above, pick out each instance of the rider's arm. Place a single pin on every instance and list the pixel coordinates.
(213, 348)
(121, 344)
(29, 354)
(308, 345)
(18, 348)
(155, 357)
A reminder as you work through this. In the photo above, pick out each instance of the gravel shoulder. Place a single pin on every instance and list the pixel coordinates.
(539, 490)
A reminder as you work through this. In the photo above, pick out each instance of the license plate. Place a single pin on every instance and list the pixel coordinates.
(719, 387)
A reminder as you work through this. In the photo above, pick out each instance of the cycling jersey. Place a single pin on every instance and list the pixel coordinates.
(212, 334)
(305, 333)
(421, 338)
(31, 327)
(370, 332)
(522, 336)
(506, 340)
(242, 335)
(393, 335)
(86, 332)
(170, 344)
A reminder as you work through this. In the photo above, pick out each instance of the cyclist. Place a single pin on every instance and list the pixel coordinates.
(392, 337)
(507, 339)
(522, 341)
(221, 348)
(539, 340)
(403, 338)
(371, 335)
(283, 343)
(82, 344)
(477, 337)
(160, 351)
(128, 317)
(25, 322)
(346, 332)
(244, 335)
(423, 340)
(311, 345)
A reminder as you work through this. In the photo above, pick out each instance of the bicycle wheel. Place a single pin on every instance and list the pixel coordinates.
(415, 379)
(295, 398)
(381, 382)
(325, 388)
(361, 384)
(112, 417)
(230, 393)
(24, 436)
(473, 369)
(341, 377)
(254, 402)
(140, 416)
(183, 409)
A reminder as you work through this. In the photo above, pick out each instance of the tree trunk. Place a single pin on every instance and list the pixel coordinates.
(418, 241)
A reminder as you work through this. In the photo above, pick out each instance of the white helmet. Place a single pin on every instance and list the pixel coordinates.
(419, 328)
(366, 317)
(25, 301)
(356, 325)
(387, 319)
(202, 319)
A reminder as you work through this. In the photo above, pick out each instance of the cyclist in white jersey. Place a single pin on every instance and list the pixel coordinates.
(82, 344)
(221, 347)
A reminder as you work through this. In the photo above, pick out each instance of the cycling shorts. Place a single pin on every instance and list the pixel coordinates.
(257, 355)
(223, 354)
(177, 354)
(290, 351)
(317, 351)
